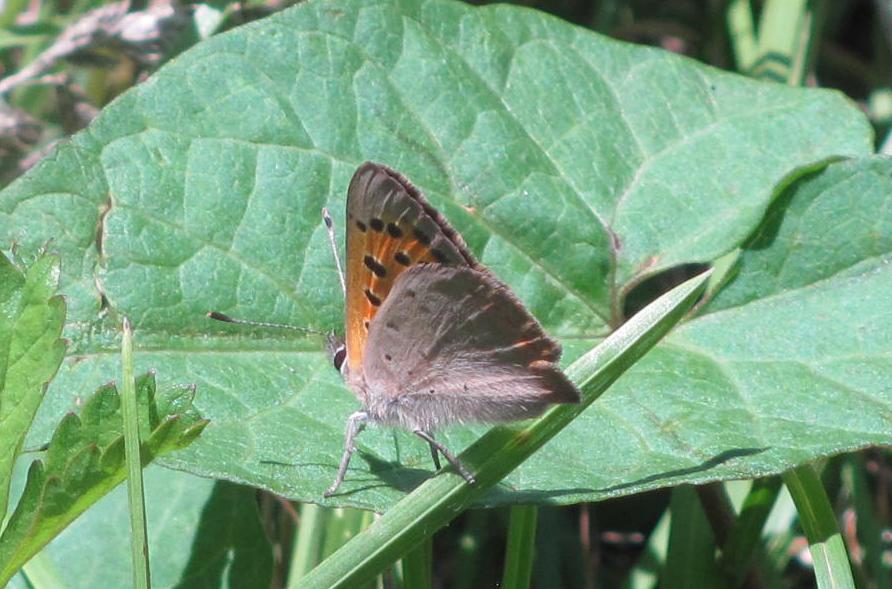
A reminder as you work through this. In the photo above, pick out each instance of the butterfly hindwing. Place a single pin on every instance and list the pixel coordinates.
(475, 353)
(390, 228)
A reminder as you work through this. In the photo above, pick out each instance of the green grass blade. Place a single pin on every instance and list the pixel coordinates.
(647, 571)
(690, 559)
(786, 35)
(742, 33)
(521, 547)
(139, 541)
(307, 545)
(471, 549)
(828, 550)
(439, 499)
(745, 538)
(417, 566)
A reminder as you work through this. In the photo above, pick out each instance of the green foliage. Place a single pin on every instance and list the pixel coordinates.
(85, 460)
(202, 533)
(575, 166)
(689, 562)
(31, 319)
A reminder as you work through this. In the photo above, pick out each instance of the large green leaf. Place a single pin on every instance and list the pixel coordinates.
(31, 319)
(791, 362)
(575, 166)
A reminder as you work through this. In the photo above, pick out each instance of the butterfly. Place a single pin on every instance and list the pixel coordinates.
(432, 337)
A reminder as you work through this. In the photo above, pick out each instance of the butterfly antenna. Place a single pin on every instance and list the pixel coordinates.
(227, 319)
(329, 225)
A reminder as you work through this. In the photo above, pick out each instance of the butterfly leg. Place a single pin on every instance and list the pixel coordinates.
(435, 455)
(446, 454)
(355, 424)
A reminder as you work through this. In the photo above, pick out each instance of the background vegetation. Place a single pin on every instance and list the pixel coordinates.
(772, 399)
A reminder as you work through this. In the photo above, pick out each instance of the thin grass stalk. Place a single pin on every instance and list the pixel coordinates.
(828, 550)
(139, 542)
(308, 544)
(521, 547)
(690, 558)
(744, 541)
(742, 33)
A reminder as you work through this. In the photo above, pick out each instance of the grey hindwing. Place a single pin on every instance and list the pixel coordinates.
(454, 344)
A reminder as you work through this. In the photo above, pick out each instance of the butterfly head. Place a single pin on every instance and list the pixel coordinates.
(337, 351)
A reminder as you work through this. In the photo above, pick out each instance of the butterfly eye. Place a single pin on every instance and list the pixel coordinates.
(339, 356)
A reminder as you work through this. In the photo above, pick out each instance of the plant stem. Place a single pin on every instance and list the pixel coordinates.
(520, 547)
(827, 548)
(139, 543)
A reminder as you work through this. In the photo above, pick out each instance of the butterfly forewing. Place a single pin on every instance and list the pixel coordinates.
(390, 228)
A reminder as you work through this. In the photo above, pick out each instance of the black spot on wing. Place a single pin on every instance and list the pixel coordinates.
(394, 231)
(375, 266)
(421, 236)
(439, 256)
(373, 298)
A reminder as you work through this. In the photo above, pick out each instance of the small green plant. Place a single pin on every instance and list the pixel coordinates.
(84, 459)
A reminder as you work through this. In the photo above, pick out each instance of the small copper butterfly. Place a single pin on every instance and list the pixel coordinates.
(431, 336)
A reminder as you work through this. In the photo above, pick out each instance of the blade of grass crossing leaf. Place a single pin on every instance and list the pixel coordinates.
(825, 542)
(690, 561)
(521, 547)
(441, 498)
(417, 566)
(723, 271)
(306, 549)
(139, 543)
(745, 539)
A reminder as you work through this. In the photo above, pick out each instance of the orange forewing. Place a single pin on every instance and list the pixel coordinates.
(390, 227)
